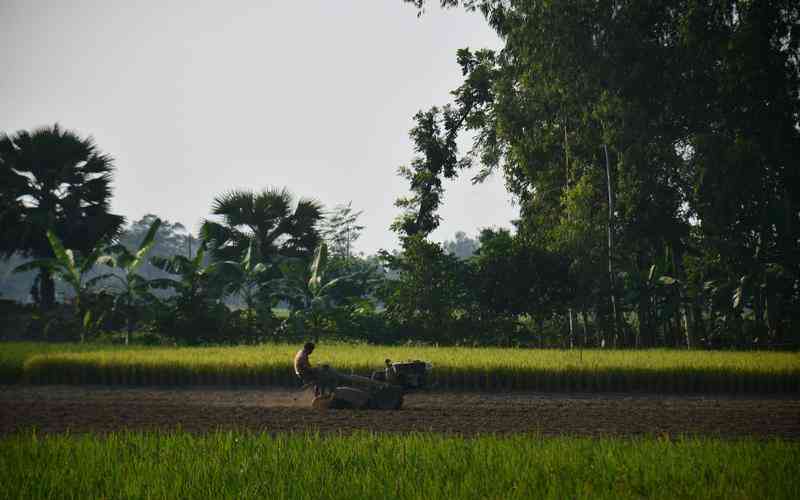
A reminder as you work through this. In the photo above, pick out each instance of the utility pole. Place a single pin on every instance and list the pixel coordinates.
(611, 249)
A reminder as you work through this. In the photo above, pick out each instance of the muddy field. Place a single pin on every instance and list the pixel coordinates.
(102, 409)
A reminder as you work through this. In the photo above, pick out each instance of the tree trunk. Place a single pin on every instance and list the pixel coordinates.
(47, 290)
(571, 330)
(540, 322)
(585, 327)
(601, 323)
(129, 330)
(698, 323)
(774, 314)
(644, 321)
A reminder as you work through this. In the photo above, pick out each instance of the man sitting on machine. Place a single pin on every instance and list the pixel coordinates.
(322, 379)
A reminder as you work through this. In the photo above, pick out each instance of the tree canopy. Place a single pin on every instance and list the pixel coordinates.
(671, 125)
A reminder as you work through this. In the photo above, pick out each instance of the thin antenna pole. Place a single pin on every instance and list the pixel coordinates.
(566, 183)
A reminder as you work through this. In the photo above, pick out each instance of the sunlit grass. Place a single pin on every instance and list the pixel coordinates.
(14, 354)
(299, 466)
(454, 367)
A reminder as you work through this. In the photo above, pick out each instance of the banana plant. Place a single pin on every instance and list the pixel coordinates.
(135, 289)
(758, 291)
(649, 294)
(195, 281)
(73, 270)
(243, 279)
(311, 298)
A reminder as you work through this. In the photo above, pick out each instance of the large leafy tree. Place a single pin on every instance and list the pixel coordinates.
(52, 179)
(664, 115)
(430, 295)
(269, 220)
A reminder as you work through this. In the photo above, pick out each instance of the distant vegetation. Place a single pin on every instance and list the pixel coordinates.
(652, 152)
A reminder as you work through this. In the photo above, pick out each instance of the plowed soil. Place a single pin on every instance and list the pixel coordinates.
(104, 409)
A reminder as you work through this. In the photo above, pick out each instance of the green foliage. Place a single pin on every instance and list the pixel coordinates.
(135, 288)
(513, 278)
(430, 296)
(633, 133)
(246, 279)
(310, 294)
(195, 314)
(73, 270)
(16, 320)
(434, 138)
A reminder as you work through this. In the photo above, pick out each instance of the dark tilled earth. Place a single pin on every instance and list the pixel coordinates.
(104, 409)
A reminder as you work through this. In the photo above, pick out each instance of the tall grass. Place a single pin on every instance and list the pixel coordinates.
(416, 466)
(454, 367)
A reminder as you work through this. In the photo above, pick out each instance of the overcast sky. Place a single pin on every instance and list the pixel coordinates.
(196, 98)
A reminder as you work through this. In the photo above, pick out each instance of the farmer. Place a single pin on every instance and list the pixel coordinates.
(391, 373)
(302, 366)
(324, 378)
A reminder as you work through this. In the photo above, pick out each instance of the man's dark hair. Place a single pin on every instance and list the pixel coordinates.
(309, 346)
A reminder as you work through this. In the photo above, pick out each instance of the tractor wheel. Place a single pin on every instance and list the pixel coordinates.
(322, 402)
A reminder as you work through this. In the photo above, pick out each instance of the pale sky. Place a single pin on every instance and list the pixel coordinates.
(193, 98)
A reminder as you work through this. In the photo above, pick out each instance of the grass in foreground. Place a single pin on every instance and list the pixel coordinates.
(454, 367)
(234, 465)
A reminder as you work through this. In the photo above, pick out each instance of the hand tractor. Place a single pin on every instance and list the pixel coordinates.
(384, 390)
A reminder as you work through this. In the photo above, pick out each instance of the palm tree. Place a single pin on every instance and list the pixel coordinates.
(51, 179)
(268, 220)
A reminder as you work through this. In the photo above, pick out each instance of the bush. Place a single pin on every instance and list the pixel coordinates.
(17, 319)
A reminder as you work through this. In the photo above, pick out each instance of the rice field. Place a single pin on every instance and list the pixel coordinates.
(407, 466)
(14, 354)
(667, 371)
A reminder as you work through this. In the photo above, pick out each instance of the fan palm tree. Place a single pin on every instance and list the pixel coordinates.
(52, 179)
(268, 220)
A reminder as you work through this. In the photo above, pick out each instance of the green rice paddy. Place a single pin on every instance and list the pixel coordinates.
(669, 371)
(412, 466)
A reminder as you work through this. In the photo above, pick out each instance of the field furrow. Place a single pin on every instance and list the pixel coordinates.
(100, 409)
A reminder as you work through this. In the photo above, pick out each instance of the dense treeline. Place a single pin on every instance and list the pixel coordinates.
(651, 146)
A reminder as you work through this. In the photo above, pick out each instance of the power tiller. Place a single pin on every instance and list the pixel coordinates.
(384, 390)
